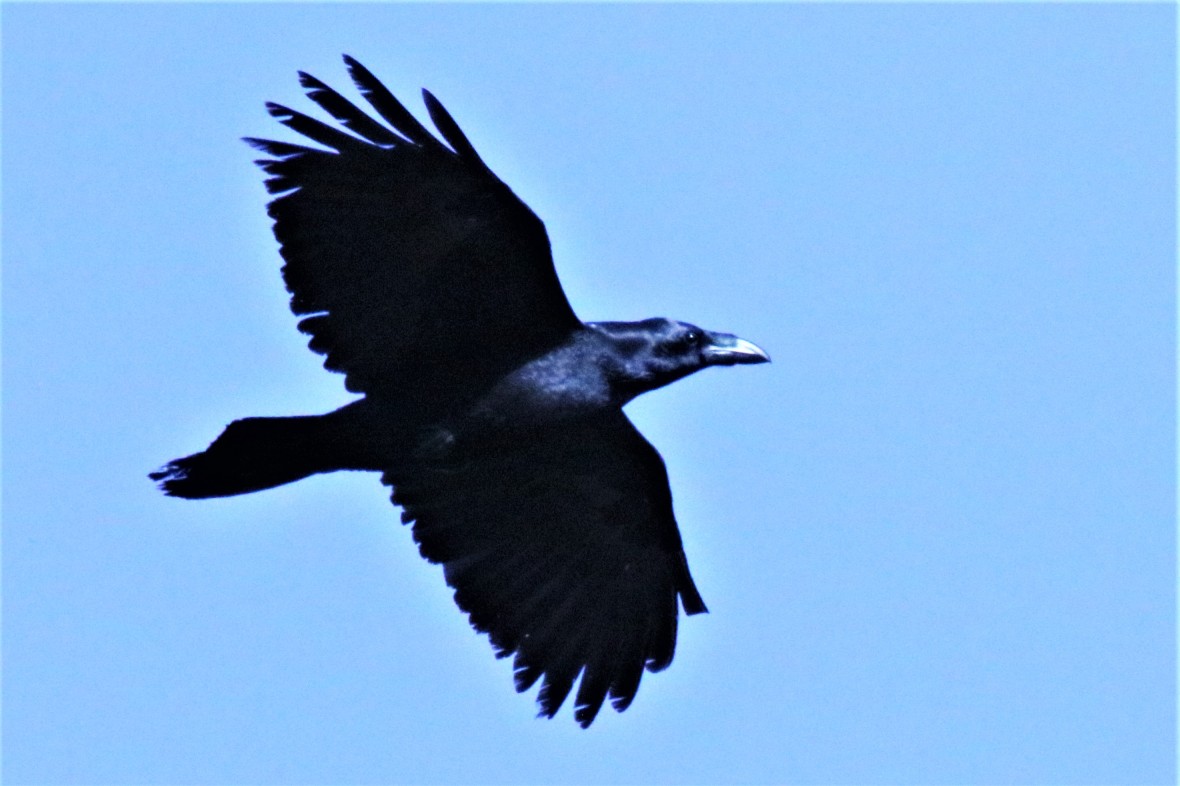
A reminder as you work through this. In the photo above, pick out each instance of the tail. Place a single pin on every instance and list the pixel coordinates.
(254, 454)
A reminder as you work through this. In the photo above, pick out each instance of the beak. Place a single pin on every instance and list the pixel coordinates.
(726, 350)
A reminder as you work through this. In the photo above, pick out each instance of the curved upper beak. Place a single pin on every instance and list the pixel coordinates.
(727, 350)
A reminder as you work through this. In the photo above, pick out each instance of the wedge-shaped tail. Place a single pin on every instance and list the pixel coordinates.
(250, 455)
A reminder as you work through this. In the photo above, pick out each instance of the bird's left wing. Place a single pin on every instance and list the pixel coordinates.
(561, 545)
(415, 269)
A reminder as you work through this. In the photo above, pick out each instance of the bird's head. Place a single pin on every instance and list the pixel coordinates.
(654, 352)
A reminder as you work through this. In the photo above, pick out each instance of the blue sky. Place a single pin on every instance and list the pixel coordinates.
(936, 535)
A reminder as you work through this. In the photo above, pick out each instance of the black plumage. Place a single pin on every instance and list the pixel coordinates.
(492, 411)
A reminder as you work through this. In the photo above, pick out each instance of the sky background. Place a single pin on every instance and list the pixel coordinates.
(936, 535)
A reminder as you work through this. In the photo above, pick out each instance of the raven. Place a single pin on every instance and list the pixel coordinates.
(491, 410)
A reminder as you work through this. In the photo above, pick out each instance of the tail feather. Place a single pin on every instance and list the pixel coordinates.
(250, 455)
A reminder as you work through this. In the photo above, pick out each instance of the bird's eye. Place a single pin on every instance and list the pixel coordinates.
(685, 341)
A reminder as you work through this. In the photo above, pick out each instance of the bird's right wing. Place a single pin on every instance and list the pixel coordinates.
(561, 545)
(410, 261)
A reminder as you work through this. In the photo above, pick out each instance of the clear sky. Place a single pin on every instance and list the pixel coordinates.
(936, 535)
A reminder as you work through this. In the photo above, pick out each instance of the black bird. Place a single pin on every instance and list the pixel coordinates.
(492, 411)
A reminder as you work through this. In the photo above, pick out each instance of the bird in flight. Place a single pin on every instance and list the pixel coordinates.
(492, 411)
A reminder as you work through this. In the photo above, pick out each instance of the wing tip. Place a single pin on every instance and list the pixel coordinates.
(309, 82)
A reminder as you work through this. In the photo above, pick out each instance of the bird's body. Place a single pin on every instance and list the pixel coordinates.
(492, 411)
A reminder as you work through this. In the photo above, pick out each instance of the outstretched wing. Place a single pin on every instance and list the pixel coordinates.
(414, 266)
(561, 545)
